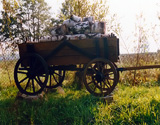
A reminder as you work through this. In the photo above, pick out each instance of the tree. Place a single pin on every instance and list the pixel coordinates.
(34, 17)
(141, 35)
(83, 8)
(7, 24)
(7, 20)
(31, 18)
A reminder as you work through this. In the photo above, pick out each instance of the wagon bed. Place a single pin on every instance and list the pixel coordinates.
(74, 51)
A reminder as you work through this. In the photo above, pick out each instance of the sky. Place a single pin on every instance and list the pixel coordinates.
(127, 11)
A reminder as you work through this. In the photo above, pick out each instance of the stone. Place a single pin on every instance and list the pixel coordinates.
(30, 97)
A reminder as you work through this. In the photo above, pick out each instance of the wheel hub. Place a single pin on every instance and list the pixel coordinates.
(99, 77)
(31, 75)
(51, 71)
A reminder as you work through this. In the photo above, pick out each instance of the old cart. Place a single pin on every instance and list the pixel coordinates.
(44, 64)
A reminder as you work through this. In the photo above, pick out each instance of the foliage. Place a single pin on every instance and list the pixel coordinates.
(30, 20)
(7, 25)
(84, 8)
(81, 8)
(141, 57)
(138, 77)
(7, 21)
(74, 7)
(7, 73)
(36, 18)
(141, 35)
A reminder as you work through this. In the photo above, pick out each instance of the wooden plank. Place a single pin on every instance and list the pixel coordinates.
(67, 52)
(68, 60)
(80, 43)
(70, 52)
(67, 55)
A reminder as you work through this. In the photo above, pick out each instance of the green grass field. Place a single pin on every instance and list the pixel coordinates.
(130, 105)
(138, 104)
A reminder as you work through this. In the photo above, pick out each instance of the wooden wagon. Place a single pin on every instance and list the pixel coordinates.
(44, 64)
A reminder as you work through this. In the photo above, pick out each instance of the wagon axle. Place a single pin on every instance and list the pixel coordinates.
(31, 75)
(99, 77)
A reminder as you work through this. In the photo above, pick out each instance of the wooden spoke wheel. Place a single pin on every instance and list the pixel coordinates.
(100, 77)
(118, 74)
(31, 74)
(56, 78)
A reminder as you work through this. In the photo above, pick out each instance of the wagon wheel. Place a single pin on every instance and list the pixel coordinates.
(56, 78)
(100, 77)
(118, 74)
(31, 74)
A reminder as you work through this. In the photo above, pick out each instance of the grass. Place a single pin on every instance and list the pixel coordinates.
(131, 105)
(138, 104)
(7, 73)
(72, 108)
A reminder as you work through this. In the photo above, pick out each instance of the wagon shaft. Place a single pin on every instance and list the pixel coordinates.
(138, 68)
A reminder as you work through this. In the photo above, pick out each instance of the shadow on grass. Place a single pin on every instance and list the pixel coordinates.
(56, 109)
(79, 107)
